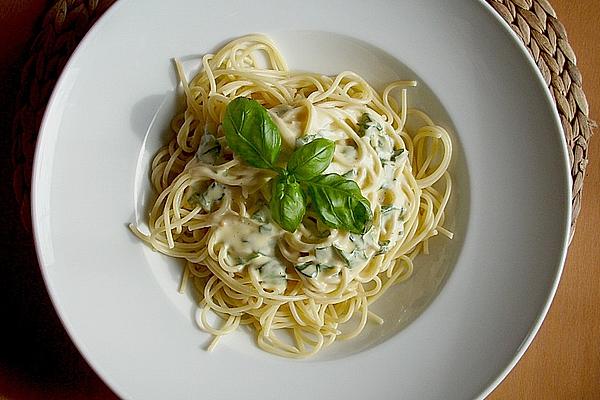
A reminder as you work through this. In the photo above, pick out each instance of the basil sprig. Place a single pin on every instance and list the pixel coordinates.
(254, 137)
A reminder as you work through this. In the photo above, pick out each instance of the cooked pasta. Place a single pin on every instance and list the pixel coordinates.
(298, 291)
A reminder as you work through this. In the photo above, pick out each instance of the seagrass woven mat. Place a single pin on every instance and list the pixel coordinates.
(67, 21)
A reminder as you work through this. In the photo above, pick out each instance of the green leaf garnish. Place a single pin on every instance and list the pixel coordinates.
(311, 159)
(339, 203)
(251, 133)
(397, 154)
(309, 269)
(288, 204)
(365, 122)
(209, 149)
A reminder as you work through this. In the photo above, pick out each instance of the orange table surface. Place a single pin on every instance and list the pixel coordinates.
(563, 362)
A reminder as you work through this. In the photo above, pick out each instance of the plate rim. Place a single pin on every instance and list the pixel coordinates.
(565, 245)
(107, 377)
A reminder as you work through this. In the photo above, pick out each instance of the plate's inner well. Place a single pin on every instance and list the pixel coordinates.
(403, 302)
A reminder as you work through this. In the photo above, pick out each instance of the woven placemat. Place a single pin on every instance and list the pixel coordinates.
(536, 23)
(63, 26)
(67, 21)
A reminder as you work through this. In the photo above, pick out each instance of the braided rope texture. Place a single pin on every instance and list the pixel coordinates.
(67, 21)
(62, 28)
(545, 37)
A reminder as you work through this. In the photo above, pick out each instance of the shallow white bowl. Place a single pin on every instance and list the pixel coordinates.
(484, 294)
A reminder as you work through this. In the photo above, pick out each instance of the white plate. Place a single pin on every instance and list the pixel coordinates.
(510, 210)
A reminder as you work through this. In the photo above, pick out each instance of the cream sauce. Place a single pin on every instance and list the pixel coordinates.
(254, 242)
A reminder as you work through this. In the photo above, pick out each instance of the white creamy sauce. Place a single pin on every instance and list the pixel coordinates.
(380, 142)
(207, 197)
(273, 276)
(213, 194)
(209, 150)
(252, 243)
(290, 122)
(244, 237)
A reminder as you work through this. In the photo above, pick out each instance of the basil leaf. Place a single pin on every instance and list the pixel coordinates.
(209, 149)
(288, 204)
(308, 269)
(251, 133)
(311, 159)
(387, 208)
(365, 123)
(339, 203)
(397, 154)
(352, 259)
(384, 247)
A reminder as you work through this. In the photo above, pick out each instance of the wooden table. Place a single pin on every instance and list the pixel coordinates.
(563, 361)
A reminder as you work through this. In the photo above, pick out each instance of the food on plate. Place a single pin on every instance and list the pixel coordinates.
(296, 199)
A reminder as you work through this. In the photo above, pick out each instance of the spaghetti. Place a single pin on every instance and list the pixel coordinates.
(299, 291)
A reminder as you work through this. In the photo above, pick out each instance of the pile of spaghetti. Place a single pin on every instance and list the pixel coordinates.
(300, 290)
